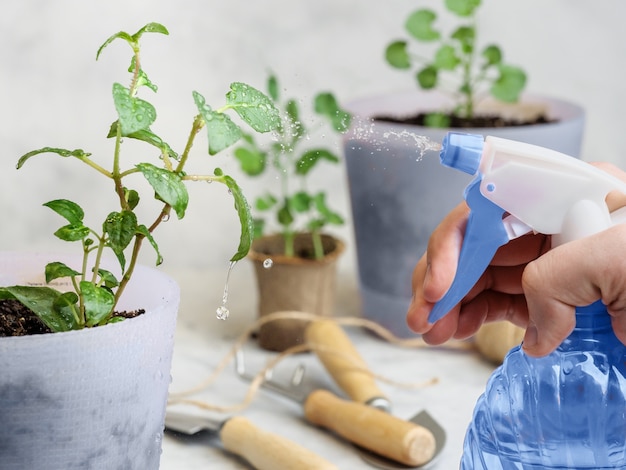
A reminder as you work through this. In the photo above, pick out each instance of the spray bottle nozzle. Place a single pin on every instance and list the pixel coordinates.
(462, 151)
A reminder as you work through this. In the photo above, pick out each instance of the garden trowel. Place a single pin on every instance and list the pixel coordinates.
(262, 449)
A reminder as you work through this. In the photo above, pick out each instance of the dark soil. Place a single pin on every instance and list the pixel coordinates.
(18, 320)
(459, 123)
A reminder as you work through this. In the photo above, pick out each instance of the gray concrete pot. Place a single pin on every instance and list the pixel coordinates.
(89, 399)
(397, 201)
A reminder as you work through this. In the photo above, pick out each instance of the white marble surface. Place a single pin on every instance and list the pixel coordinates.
(202, 341)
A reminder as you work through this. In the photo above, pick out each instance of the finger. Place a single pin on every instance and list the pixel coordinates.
(444, 247)
(488, 307)
(521, 250)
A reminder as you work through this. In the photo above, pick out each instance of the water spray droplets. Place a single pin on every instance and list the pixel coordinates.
(367, 130)
(268, 263)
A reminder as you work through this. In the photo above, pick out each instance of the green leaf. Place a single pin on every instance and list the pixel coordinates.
(492, 55)
(108, 278)
(146, 135)
(41, 301)
(121, 35)
(466, 35)
(168, 186)
(509, 84)
(245, 218)
(69, 210)
(143, 230)
(259, 227)
(142, 77)
(56, 270)
(78, 153)
(462, 7)
(72, 233)
(98, 301)
(326, 104)
(132, 198)
(121, 228)
(265, 202)
(419, 24)
(272, 87)
(254, 107)
(222, 131)
(65, 306)
(309, 159)
(446, 58)
(297, 129)
(328, 215)
(134, 39)
(397, 55)
(252, 160)
(134, 114)
(284, 215)
(427, 77)
(300, 202)
(151, 28)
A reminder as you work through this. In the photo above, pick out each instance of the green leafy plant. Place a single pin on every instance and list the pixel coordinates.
(97, 291)
(293, 163)
(456, 58)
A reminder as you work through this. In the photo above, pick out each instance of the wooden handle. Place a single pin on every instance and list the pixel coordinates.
(380, 432)
(268, 451)
(343, 362)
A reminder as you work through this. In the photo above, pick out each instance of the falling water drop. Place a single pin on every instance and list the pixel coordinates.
(268, 263)
(222, 311)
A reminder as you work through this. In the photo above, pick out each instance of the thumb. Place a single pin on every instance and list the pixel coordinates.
(554, 284)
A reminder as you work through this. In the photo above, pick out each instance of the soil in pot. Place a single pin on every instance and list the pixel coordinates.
(18, 320)
(300, 283)
(477, 121)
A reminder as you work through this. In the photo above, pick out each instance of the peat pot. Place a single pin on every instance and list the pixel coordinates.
(88, 399)
(300, 284)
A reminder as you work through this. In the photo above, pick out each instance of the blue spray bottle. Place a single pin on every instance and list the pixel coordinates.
(566, 410)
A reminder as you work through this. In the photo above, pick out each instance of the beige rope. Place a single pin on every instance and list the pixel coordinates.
(183, 396)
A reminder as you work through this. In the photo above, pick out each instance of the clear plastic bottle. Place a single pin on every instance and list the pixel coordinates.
(566, 410)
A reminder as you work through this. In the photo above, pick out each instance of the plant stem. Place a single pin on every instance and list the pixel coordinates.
(318, 247)
(198, 123)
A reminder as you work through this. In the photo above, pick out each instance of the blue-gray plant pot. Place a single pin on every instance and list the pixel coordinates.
(88, 399)
(398, 199)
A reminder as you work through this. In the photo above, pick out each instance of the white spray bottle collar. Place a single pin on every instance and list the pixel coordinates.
(534, 187)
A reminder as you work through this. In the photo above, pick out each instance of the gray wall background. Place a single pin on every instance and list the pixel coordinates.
(54, 93)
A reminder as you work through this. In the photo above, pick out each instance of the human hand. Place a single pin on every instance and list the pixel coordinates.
(526, 282)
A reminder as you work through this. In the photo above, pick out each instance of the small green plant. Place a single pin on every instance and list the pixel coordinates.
(97, 291)
(293, 202)
(457, 58)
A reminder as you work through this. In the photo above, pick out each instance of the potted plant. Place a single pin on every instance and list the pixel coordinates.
(87, 387)
(294, 259)
(399, 194)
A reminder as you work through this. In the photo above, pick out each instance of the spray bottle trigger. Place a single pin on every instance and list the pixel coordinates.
(484, 234)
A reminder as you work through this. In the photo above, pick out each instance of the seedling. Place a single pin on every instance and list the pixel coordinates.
(96, 291)
(456, 66)
(294, 207)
